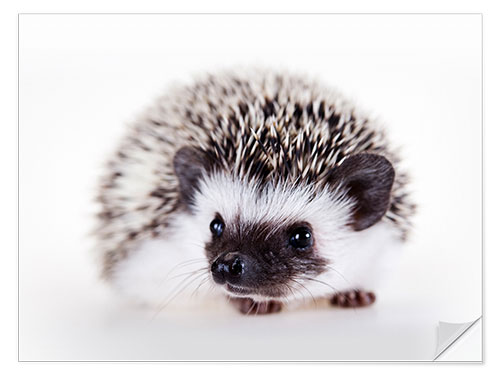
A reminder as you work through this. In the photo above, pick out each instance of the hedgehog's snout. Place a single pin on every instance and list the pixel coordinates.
(228, 267)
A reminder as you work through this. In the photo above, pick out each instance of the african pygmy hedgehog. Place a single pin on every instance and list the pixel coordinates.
(261, 186)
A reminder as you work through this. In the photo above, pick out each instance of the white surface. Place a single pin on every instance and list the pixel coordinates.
(81, 77)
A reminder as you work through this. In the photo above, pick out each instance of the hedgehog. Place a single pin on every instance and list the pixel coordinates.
(263, 187)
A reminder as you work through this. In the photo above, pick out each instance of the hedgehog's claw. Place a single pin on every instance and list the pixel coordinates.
(353, 298)
(248, 306)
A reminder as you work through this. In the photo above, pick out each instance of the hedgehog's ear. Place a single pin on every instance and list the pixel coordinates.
(189, 166)
(368, 179)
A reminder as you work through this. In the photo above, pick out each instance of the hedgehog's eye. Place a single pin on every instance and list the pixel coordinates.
(301, 238)
(217, 227)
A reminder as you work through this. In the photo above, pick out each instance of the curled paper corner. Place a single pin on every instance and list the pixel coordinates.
(450, 333)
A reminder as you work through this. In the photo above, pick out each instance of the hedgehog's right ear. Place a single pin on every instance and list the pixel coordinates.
(189, 166)
(368, 180)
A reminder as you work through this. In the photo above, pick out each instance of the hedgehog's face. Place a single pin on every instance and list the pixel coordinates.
(269, 240)
(261, 258)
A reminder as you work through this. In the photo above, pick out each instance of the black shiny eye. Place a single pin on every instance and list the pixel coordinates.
(301, 238)
(217, 227)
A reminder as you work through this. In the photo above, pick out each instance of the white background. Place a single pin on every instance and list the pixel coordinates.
(83, 77)
(8, 160)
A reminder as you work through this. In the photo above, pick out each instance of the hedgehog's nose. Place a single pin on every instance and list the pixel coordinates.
(228, 267)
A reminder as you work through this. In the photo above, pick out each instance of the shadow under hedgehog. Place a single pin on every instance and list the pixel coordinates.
(264, 187)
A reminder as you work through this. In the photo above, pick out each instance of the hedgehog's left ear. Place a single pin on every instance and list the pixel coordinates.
(189, 166)
(368, 179)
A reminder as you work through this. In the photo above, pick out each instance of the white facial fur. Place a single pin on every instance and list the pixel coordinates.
(158, 272)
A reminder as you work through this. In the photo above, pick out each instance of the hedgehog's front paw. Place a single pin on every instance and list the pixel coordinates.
(353, 298)
(249, 306)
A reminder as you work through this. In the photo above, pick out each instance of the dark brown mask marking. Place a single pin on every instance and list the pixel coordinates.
(261, 258)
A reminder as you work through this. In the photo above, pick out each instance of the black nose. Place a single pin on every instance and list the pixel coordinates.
(228, 267)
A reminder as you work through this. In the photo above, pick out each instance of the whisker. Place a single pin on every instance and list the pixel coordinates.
(334, 270)
(186, 273)
(180, 265)
(303, 286)
(322, 282)
(314, 299)
(198, 287)
(290, 290)
(251, 307)
(298, 290)
(193, 276)
(184, 287)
